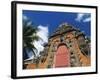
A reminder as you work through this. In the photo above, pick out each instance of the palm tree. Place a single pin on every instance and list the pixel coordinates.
(29, 36)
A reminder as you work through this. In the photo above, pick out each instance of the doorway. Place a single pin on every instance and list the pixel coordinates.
(62, 57)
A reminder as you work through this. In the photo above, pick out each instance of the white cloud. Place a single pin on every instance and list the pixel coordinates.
(87, 19)
(79, 17)
(25, 17)
(83, 17)
(43, 34)
(29, 23)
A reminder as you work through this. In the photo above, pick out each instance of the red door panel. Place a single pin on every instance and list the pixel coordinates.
(62, 57)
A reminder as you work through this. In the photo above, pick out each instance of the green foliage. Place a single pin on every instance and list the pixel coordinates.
(29, 36)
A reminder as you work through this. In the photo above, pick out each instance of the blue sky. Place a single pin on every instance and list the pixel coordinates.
(54, 19)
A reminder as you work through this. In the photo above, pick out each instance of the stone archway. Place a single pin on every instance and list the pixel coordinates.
(62, 56)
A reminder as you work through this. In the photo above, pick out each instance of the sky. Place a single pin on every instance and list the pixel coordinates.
(54, 19)
(48, 22)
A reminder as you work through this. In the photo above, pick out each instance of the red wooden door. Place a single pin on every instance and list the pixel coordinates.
(62, 58)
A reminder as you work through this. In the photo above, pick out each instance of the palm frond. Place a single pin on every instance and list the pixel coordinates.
(29, 36)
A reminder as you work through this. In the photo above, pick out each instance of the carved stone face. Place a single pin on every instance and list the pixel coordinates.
(70, 35)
